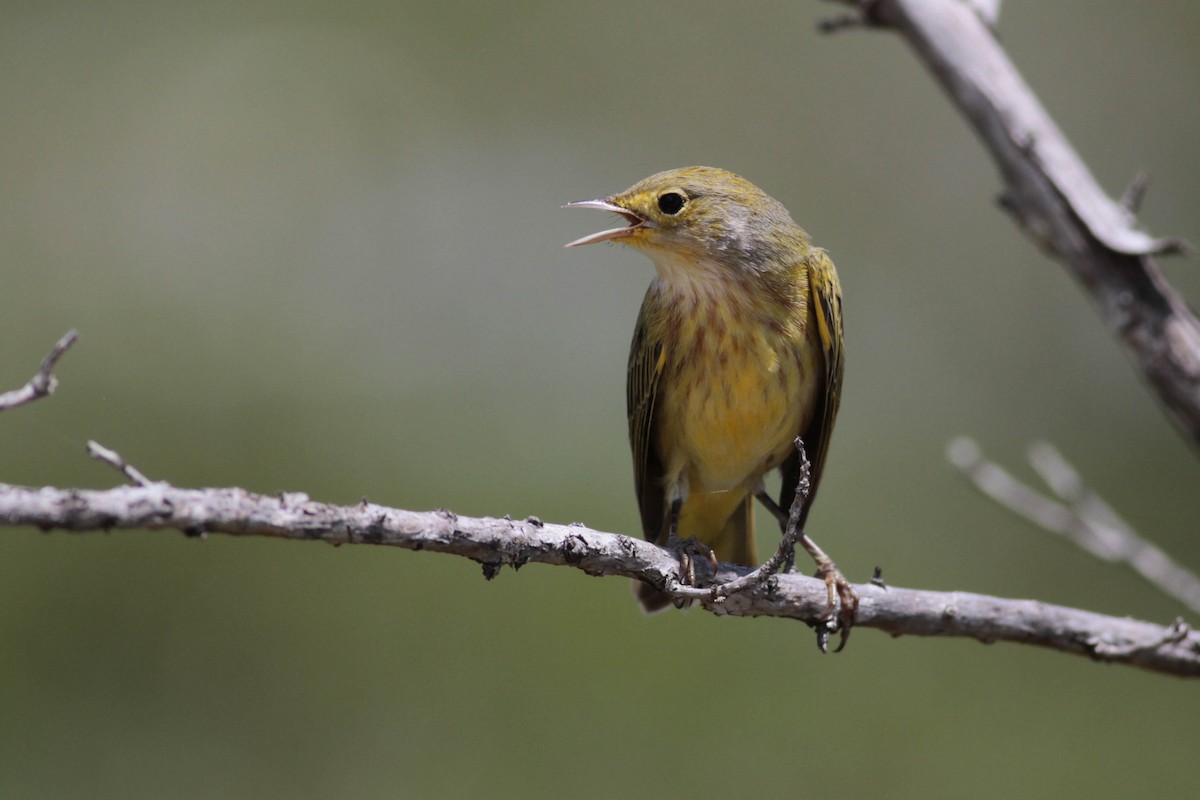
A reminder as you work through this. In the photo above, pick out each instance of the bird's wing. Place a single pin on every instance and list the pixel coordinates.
(646, 359)
(825, 312)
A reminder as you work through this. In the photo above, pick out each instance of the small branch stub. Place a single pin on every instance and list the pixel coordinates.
(114, 460)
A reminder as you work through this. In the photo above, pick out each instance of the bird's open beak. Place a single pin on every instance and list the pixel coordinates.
(635, 222)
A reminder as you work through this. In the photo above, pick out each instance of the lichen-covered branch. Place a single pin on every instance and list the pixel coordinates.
(1053, 195)
(496, 543)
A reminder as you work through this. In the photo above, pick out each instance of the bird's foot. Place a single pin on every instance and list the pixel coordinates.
(689, 551)
(839, 613)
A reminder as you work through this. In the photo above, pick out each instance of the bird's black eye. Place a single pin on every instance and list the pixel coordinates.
(671, 202)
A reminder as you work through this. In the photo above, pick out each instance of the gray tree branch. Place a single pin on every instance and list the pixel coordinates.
(496, 543)
(1054, 197)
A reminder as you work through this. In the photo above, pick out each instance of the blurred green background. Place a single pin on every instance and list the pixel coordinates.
(316, 246)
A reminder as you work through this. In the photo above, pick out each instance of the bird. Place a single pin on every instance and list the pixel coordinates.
(737, 351)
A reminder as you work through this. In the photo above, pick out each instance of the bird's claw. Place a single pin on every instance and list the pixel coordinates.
(690, 550)
(839, 614)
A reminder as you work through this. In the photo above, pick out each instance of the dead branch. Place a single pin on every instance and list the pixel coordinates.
(1054, 197)
(496, 543)
(43, 383)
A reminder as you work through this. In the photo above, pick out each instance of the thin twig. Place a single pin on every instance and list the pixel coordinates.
(43, 383)
(114, 460)
(1080, 515)
(495, 543)
(841, 597)
(783, 554)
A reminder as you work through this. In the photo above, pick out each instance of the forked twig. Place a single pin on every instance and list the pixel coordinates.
(1079, 514)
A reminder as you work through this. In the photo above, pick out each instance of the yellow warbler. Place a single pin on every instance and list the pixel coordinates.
(737, 351)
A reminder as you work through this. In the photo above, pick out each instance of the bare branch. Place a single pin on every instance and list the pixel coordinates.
(1082, 516)
(43, 383)
(495, 543)
(1056, 199)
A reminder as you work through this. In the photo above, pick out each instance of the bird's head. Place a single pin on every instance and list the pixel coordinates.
(700, 214)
